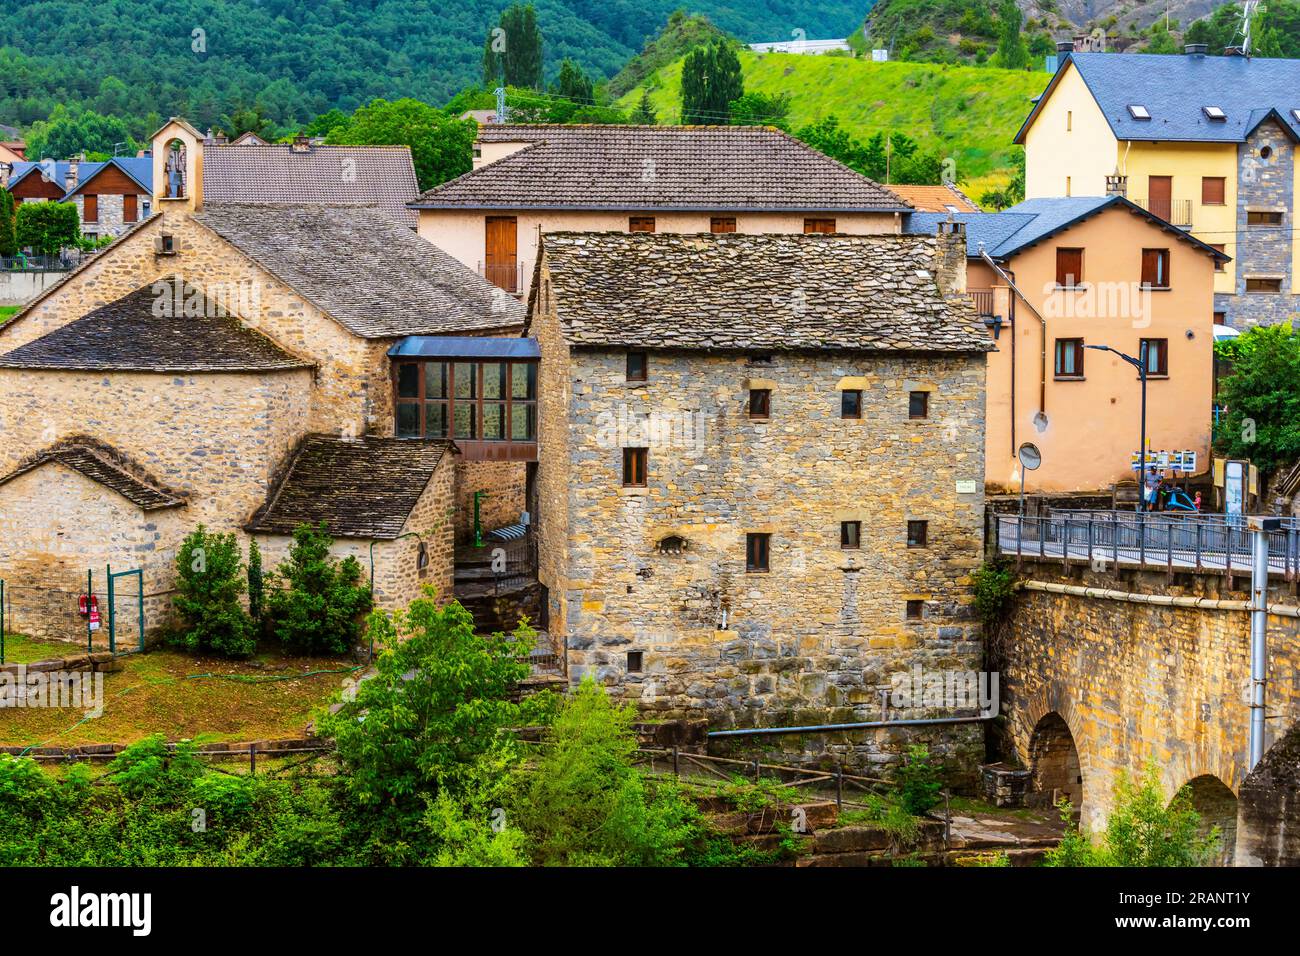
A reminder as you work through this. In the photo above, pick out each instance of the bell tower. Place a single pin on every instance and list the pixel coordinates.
(177, 166)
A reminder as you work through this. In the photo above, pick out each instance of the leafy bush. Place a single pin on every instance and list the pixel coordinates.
(918, 781)
(995, 586)
(320, 600)
(225, 799)
(47, 227)
(209, 583)
(150, 769)
(8, 237)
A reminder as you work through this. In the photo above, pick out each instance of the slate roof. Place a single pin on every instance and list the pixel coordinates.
(1008, 232)
(1175, 88)
(101, 464)
(741, 168)
(770, 292)
(137, 168)
(360, 488)
(153, 330)
(935, 198)
(249, 173)
(374, 276)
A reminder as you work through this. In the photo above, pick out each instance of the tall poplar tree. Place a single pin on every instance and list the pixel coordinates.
(512, 52)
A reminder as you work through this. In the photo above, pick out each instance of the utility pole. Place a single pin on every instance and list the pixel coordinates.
(501, 104)
(1140, 364)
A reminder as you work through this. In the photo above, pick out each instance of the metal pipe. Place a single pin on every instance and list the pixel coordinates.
(1042, 364)
(1259, 528)
(863, 725)
(1156, 600)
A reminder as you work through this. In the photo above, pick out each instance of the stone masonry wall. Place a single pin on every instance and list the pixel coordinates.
(505, 483)
(819, 637)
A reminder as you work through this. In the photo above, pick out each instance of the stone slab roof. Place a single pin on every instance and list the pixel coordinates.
(102, 465)
(360, 488)
(659, 167)
(168, 326)
(248, 172)
(375, 277)
(769, 292)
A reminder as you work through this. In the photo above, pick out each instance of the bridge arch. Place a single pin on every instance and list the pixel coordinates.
(1054, 762)
(1217, 805)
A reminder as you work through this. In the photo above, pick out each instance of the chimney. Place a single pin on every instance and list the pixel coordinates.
(950, 257)
(1064, 46)
(1195, 49)
(5, 170)
(1117, 184)
(70, 180)
(301, 144)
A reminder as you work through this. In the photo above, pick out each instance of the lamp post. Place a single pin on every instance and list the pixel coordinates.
(1141, 365)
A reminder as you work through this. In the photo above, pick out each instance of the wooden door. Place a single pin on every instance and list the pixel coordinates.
(1160, 194)
(129, 210)
(500, 259)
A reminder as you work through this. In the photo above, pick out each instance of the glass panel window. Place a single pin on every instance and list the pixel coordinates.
(466, 425)
(523, 422)
(466, 384)
(523, 381)
(494, 420)
(1069, 358)
(435, 379)
(494, 380)
(850, 403)
(408, 380)
(435, 419)
(918, 404)
(408, 420)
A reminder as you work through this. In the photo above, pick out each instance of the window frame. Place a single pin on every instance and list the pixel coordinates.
(1061, 274)
(1270, 222)
(645, 367)
(819, 225)
(1076, 345)
(639, 223)
(916, 605)
(1270, 290)
(1161, 256)
(636, 465)
(722, 225)
(1160, 349)
(923, 526)
(758, 552)
(924, 396)
(478, 401)
(850, 535)
(1222, 189)
(760, 404)
(856, 415)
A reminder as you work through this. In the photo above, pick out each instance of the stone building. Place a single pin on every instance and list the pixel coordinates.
(110, 196)
(229, 364)
(759, 487)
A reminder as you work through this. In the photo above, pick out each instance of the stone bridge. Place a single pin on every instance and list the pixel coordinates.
(1108, 666)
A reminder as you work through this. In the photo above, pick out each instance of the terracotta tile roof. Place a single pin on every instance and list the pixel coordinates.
(382, 176)
(360, 488)
(659, 167)
(376, 278)
(103, 465)
(770, 292)
(163, 327)
(935, 198)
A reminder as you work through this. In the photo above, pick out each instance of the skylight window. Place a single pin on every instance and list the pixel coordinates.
(1139, 111)
(1296, 115)
(1214, 113)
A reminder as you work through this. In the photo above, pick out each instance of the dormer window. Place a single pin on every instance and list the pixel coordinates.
(1214, 113)
(1139, 112)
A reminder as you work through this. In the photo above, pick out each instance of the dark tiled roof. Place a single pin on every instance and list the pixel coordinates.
(103, 465)
(377, 278)
(382, 176)
(163, 327)
(1175, 88)
(660, 167)
(360, 488)
(737, 291)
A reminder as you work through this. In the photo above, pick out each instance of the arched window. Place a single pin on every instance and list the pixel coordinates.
(673, 544)
(422, 557)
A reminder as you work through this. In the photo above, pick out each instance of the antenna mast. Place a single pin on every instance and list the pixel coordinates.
(1247, 14)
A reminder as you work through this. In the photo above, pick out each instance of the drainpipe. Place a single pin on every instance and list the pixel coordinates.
(862, 725)
(1042, 365)
(1259, 527)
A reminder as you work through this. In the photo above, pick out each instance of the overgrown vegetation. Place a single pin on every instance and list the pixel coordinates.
(1260, 397)
(1142, 830)
(919, 781)
(994, 584)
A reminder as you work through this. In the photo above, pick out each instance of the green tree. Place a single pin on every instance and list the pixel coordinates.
(711, 79)
(70, 132)
(919, 783)
(440, 144)
(512, 52)
(8, 233)
(645, 111)
(256, 591)
(760, 109)
(208, 588)
(318, 602)
(248, 119)
(326, 123)
(573, 84)
(1013, 53)
(1142, 830)
(47, 227)
(1261, 396)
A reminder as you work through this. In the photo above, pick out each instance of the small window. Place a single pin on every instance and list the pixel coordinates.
(1212, 190)
(1139, 112)
(1069, 268)
(1295, 114)
(1263, 285)
(760, 403)
(851, 403)
(1069, 120)
(850, 535)
(1155, 268)
(722, 224)
(636, 366)
(825, 226)
(673, 544)
(634, 467)
(641, 224)
(1219, 264)
(1265, 152)
(763, 359)
(1067, 186)
(1069, 358)
(918, 404)
(1157, 352)
(167, 243)
(1214, 113)
(1263, 218)
(422, 557)
(634, 662)
(915, 610)
(917, 532)
(757, 551)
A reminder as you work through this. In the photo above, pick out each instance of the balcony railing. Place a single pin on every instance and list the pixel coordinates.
(507, 275)
(982, 300)
(1176, 212)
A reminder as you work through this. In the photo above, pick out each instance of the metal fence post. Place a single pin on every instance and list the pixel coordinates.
(90, 604)
(112, 622)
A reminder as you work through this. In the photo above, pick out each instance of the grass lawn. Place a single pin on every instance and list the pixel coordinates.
(184, 695)
(7, 312)
(20, 649)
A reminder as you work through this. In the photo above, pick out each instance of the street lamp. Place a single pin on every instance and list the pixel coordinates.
(1141, 365)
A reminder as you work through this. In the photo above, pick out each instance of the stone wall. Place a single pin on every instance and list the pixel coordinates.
(820, 636)
(505, 483)
(1136, 683)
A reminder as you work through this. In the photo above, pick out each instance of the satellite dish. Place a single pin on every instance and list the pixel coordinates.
(1030, 457)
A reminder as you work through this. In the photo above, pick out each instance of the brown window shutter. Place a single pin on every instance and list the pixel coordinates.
(130, 211)
(641, 224)
(1212, 190)
(1069, 267)
(90, 208)
(824, 226)
(722, 224)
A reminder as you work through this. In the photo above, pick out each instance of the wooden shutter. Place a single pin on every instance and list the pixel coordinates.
(90, 208)
(826, 226)
(1160, 194)
(1155, 268)
(130, 211)
(722, 224)
(1069, 268)
(501, 250)
(641, 224)
(1212, 191)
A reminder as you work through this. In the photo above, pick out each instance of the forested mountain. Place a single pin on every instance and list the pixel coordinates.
(295, 59)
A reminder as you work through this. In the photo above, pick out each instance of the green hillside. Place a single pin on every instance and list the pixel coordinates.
(968, 113)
